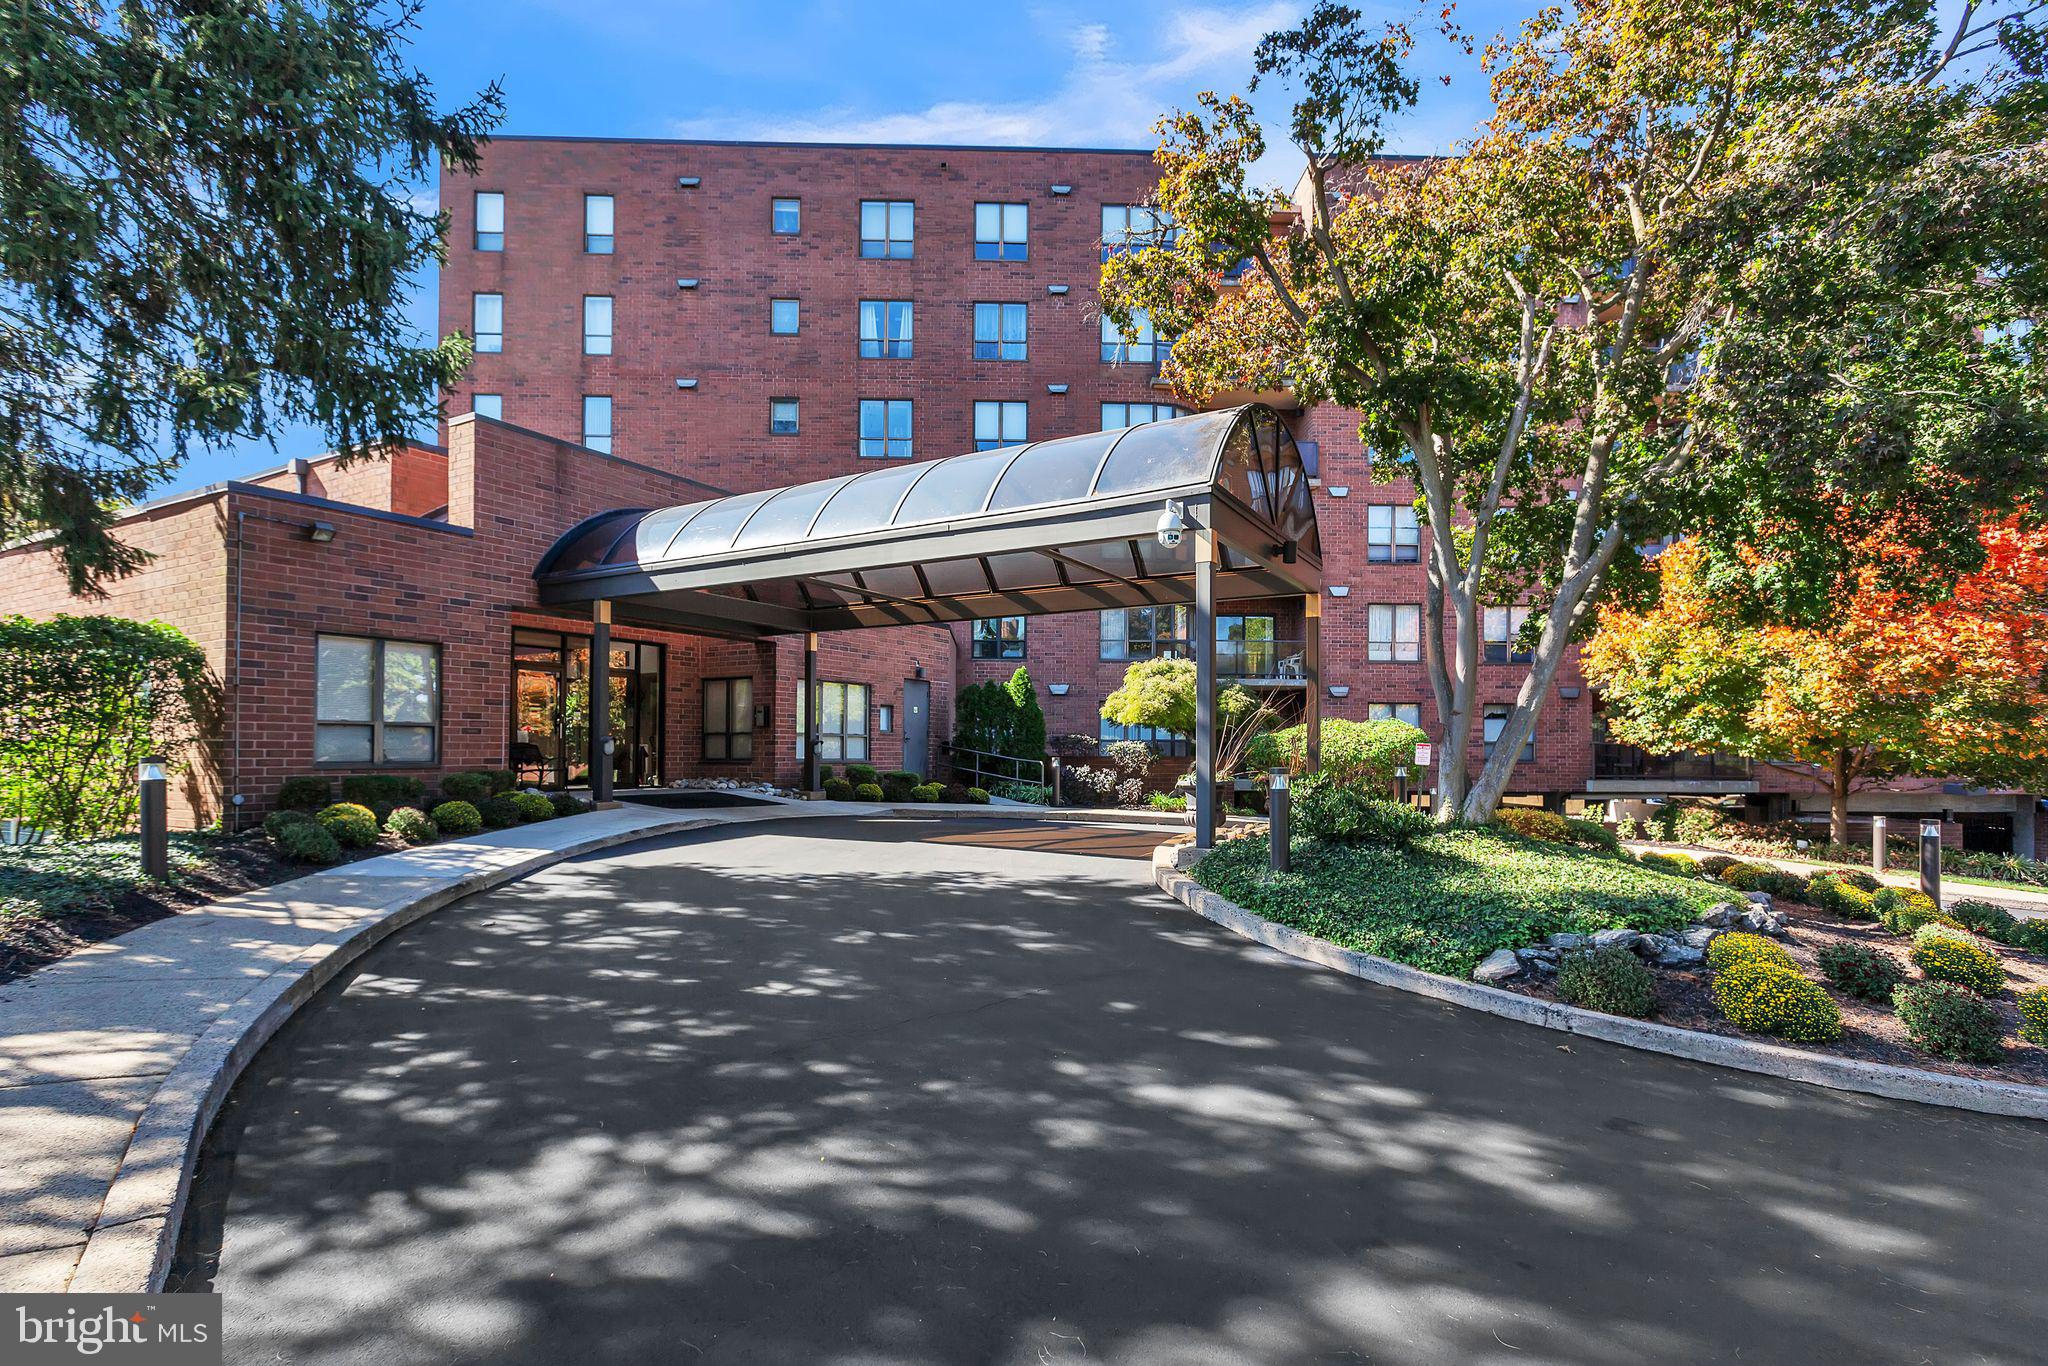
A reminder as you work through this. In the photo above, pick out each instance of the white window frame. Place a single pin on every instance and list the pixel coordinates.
(1393, 632)
(1411, 712)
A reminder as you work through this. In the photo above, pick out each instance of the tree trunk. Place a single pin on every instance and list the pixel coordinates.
(1838, 799)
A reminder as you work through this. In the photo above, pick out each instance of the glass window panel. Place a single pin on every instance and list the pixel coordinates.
(874, 220)
(988, 222)
(1023, 570)
(488, 405)
(341, 744)
(597, 324)
(1053, 471)
(865, 503)
(782, 416)
(597, 422)
(408, 744)
(832, 708)
(715, 745)
(743, 745)
(715, 528)
(788, 215)
(1016, 222)
(716, 701)
(952, 578)
(343, 684)
(954, 488)
(490, 212)
(898, 581)
(902, 221)
(856, 709)
(784, 317)
(650, 539)
(1162, 455)
(787, 517)
(411, 683)
(743, 704)
(597, 214)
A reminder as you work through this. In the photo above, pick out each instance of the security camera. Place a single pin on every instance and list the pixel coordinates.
(1171, 525)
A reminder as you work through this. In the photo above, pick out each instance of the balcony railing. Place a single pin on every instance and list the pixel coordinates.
(1611, 760)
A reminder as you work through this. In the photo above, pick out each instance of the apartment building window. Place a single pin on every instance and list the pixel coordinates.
(1160, 742)
(885, 327)
(1494, 722)
(888, 229)
(1140, 344)
(1133, 227)
(842, 722)
(782, 416)
(786, 217)
(597, 324)
(1501, 627)
(597, 422)
(597, 224)
(376, 701)
(999, 332)
(885, 428)
(488, 405)
(1392, 535)
(999, 638)
(998, 424)
(1393, 632)
(1000, 232)
(728, 720)
(785, 316)
(1116, 415)
(1411, 712)
(490, 220)
(487, 322)
(1144, 632)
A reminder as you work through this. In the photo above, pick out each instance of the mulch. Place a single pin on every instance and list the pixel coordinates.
(1870, 1032)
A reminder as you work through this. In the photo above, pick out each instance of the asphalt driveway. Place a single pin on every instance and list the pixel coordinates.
(892, 1091)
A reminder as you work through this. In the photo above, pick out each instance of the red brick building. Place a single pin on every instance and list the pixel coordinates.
(660, 320)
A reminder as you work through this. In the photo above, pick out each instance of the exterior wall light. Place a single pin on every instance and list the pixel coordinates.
(1339, 490)
(1340, 690)
(1568, 694)
(688, 182)
(1063, 189)
(1056, 289)
(1340, 590)
(1058, 689)
(1055, 388)
(686, 284)
(320, 532)
(686, 384)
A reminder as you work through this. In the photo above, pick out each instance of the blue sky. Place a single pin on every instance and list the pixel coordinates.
(832, 70)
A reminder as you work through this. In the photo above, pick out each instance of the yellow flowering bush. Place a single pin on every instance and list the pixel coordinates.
(2034, 1016)
(1766, 998)
(1950, 955)
(1729, 949)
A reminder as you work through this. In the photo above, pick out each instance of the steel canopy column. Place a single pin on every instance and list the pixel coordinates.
(812, 784)
(601, 703)
(1312, 677)
(1204, 629)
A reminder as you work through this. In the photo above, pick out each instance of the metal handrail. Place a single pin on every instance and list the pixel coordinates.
(983, 767)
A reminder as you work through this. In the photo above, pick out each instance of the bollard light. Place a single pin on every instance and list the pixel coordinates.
(1401, 784)
(1930, 860)
(1877, 849)
(1277, 831)
(156, 835)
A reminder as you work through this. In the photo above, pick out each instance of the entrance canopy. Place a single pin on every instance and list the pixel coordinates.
(1052, 526)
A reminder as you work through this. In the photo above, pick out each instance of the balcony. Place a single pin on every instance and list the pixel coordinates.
(1624, 769)
(1259, 663)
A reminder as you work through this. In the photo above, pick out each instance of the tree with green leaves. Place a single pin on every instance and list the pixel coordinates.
(1159, 694)
(1745, 268)
(207, 227)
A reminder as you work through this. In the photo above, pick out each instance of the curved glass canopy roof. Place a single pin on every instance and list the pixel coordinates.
(1024, 525)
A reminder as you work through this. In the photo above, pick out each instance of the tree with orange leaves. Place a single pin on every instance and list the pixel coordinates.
(1896, 684)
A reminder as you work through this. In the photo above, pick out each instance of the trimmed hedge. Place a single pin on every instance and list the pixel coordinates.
(897, 785)
(276, 821)
(500, 813)
(410, 824)
(977, 796)
(1765, 998)
(1903, 911)
(1946, 954)
(309, 841)
(353, 825)
(457, 818)
(2034, 1015)
(1610, 980)
(567, 805)
(1347, 813)
(382, 791)
(307, 793)
(1949, 1022)
(838, 790)
(867, 792)
(927, 792)
(1863, 972)
(1731, 950)
(532, 806)
(1678, 865)
(466, 787)
(862, 773)
(1533, 823)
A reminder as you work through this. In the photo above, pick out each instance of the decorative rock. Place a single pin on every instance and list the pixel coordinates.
(1650, 945)
(1499, 966)
(1722, 916)
(1699, 936)
(1568, 941)
(1758, 898)
(1616, 939)
(1538, 960)
(1761, 921)
(1681, 956)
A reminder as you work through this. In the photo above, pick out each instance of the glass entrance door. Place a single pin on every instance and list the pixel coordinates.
(551, 710)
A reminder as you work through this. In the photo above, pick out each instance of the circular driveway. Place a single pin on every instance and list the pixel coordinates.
(895, 1091)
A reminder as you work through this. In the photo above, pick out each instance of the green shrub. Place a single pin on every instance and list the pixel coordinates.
(568, 805)
(307, 793)
(1747, 877)
(1364, 753)
(457, 818)
(278, 820)
(1766, 998)
(1860, 880)
(1346, 813)
(1166, 801)
(1903, 911)
(502, 779)
(1788, 887)
(2030, 936)
(867, 792)
(838, 790)
(1993, 922)
(977, 796)
(1678, 865)
(1533, 823)
(310, 842)
(355, 826)
(1713, 865)
(410, 824)
(1947, 954)
(825, 771)
(897, 785)
(2034, 1015)
(862, 773)
(1949, 1022)
(382, 791)
(1698, 824)
(1610, 980)
(927, 792)
(1836, 895)
(954, 793)
(1591, 835)
(1728, 950)
(1863, 972)
(500, 812)
(466, 787)
(532, 806)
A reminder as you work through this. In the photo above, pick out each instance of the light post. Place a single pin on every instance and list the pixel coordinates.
(1877, 851)
(1401, 784)
(1277, 802)
(156, 831)
(1930, 860)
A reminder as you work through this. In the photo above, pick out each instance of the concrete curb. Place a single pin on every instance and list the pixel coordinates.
(1773, 1060)
(131, 1243)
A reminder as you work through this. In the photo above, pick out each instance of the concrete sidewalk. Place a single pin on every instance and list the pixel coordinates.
(88, 1043)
